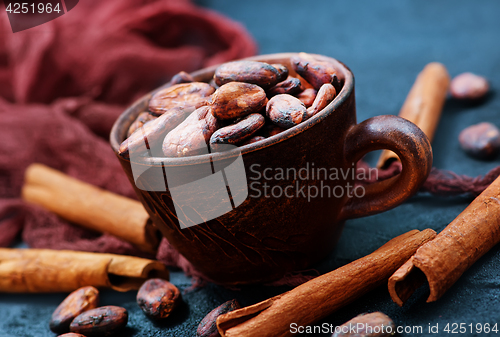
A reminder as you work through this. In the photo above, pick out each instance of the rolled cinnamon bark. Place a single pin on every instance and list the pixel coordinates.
(323, 295)
(424, 104)
(443, 260)
(45, 270)
(90, 207)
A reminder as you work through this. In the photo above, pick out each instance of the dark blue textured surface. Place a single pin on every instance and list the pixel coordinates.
(385, 43)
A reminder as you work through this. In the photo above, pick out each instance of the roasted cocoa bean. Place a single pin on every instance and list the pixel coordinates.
(208, 325)
(468, 86)
(157, 298)
(103, 321)
(185, 95)
(286, 111)
(78, 301)
(481, 140)
(142, 119)
(236, 133)
(150, 136)
(237, 99)
(375, 324)
(316, 72)
(325, 95)
(181, 77)
(258, 73)
(289, 86)
(191, 137)
(252, 140)
(282, 70)
(71, 334)
(307, 96)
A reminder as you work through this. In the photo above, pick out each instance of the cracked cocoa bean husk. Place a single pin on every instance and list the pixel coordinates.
(286, 111)
(289, 86)
(103, 321)
(237, 99)
(191, 137)
(157, 298)
(236, 133)
(469, 86)
(375, 324)
(481, 140)
(208, 325)
(150, 136)
(307, 96)
(78, 301)
(259, 73)
(282, 70)
(325, 95)
(317, 72)
(141, 119)
(181, 77)
(185, 95)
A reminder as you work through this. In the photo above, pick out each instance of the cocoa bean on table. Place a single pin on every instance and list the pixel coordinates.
(208, 325)
(481, 140)
(184, 95)
(259, 73)
(469, 86)
(103, 321)
(157, 298)
(78, 301)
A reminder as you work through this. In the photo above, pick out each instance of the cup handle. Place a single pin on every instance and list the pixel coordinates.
(408, 142)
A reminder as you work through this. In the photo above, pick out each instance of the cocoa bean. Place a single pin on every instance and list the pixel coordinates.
(78, 301)
(316, 72)
(252, 140)
(237, 99)
(375, 324)
(259, 73)
(103, 321)
(71, 334)
(192, 135)
(307, 96)
(286, 111)
(157, 298)
(185, 95)
(468, 86)
(181, 77)
(153, 132)
(481, 140)
(282, 70)
(142, 119)
(208, 325)
(289, 86)
(325, 95)
(236, 133)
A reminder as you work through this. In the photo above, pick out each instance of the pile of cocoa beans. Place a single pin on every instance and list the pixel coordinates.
(80, 315)
(245, 102)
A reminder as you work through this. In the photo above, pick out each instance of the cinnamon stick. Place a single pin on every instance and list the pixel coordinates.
(424, 104)
(90, 206)
(323, 295)
(45, 270)
(443, 260)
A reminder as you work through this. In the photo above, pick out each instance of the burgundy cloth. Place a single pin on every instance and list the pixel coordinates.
(64, 83)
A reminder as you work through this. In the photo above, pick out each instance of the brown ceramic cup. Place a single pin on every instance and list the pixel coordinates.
(259, 238)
